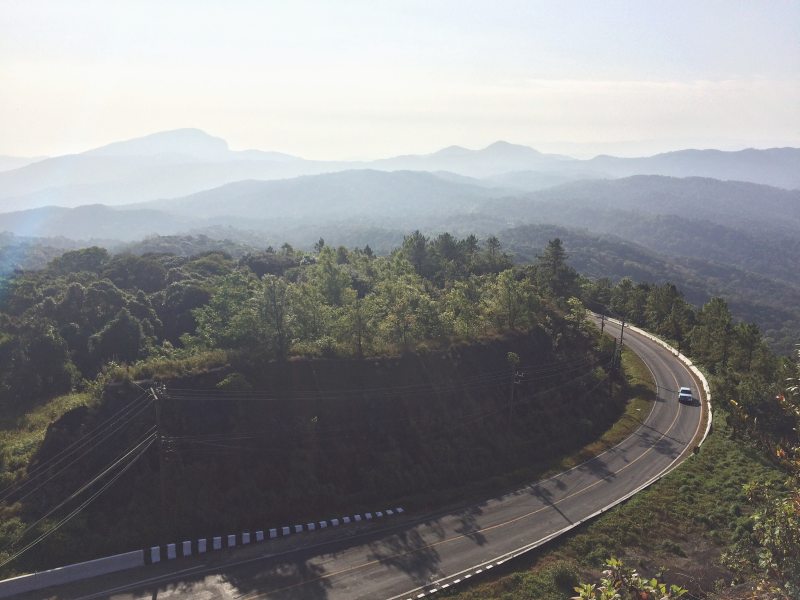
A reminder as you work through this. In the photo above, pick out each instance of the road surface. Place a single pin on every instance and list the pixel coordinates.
(410, 557)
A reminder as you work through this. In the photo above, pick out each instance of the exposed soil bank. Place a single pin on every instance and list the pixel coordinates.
(300, 439)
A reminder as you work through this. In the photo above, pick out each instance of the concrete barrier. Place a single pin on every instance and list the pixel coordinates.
(155, 554)
(70, 573)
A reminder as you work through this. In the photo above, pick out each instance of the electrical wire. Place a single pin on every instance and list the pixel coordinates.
(149, 437)
(212, 442)
(75, 445)
(88, 444)
(533, 368)
(490, 378)
(80, 507)
(300, 422)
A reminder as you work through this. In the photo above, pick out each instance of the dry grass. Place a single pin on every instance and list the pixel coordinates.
(22, 436)
(167, 367)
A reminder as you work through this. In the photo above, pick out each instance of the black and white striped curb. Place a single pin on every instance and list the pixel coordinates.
(156, 554)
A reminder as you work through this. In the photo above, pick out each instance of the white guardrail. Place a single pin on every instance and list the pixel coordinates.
(689, 364)
(463, 576)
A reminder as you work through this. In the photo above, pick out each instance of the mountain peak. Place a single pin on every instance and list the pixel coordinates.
(507, 148)
(189, 141)
(453, 151)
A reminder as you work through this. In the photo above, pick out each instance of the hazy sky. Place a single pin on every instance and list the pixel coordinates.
(365, 79)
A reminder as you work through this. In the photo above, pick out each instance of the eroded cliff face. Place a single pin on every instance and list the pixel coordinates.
(257, 446)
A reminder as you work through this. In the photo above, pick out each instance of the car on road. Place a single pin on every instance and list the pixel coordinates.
(685, 395)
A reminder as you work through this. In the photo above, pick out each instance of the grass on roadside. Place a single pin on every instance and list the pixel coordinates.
(21, 437)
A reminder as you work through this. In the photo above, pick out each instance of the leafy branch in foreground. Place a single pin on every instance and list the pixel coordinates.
(620, 583)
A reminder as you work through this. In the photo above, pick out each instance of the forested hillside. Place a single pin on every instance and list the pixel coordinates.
(317, 373)
(774, 304)
(368, 378)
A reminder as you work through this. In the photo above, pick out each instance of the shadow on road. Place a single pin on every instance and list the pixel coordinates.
(597, 466)
(299, 579)
(663, 444)
(469, 525)
(547, 498)
(410, 553)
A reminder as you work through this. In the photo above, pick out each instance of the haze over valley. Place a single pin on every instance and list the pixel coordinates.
(714, 222)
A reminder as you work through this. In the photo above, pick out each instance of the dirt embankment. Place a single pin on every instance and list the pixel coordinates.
(260, 445)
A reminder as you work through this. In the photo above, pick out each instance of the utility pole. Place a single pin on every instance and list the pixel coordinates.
(612, 370)
(162, 471)
(513, 361)
(619, 355)
(518, 377)
(602, 323)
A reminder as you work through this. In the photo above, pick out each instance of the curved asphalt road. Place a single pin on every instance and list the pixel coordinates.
(410, 558)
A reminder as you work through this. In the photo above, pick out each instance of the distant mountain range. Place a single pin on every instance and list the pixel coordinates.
(745, 214)
(177, 163)
(9, 163)
(738, 237)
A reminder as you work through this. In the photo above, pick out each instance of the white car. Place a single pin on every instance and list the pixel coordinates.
(685, 395)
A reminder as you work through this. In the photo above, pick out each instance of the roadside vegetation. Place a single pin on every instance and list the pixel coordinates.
(22, 435)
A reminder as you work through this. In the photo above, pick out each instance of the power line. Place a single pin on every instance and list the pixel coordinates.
(487, 379)
(148, 438)
(81, 506)
(84, 445)
(79, 442)
(302, 422)
(214, 441)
